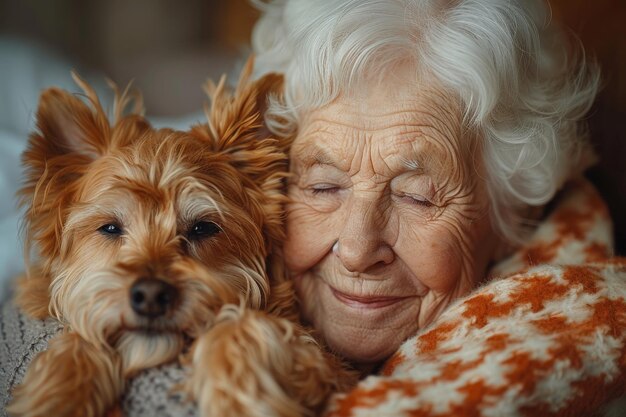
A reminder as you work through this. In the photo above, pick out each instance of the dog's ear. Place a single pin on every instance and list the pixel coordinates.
(67, 126)
(236, 126)
(70, 135)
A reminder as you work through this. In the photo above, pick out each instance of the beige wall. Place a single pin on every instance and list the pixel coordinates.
(169, 47)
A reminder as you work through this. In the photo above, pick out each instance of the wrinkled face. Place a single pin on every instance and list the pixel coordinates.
(159, 236)
(389, 221)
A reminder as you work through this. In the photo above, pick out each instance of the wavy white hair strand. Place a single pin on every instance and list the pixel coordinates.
(526, 88)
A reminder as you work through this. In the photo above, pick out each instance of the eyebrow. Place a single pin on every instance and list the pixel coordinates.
(412, 164)
(314, 155)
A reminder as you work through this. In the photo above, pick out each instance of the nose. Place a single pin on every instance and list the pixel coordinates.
(151, 297)
(361, 244)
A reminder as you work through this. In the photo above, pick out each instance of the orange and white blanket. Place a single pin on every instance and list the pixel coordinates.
(546, 336)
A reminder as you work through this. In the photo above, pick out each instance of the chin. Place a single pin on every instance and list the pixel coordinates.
(362, 346)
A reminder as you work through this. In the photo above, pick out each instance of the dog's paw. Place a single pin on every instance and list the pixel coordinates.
(71, 378)
(254, 364)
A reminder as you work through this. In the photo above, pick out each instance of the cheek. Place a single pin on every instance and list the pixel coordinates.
(90, 251)
(443, 255)
(85, 289)
(433, 260)
(309, 237)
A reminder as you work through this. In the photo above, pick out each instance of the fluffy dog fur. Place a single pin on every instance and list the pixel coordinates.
(109, 204)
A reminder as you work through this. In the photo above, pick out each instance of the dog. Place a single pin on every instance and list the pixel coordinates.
(158, 245)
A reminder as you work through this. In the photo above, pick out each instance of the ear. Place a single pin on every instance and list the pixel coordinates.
(67, 125)
(70, 135)
(236, 126)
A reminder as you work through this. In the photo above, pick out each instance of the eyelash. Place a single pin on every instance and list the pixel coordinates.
(412, 200)
(329, 190)
(415, 201)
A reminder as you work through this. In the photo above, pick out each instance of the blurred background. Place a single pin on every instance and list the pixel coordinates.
(170, 47)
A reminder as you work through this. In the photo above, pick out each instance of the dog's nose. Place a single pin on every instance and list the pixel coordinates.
(151, 297)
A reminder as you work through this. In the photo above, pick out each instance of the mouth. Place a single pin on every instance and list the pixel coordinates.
(367, 302)
(151, 326)
(150, 330)
(155, 332)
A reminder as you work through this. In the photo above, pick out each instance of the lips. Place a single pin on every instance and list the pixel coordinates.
(366, 302)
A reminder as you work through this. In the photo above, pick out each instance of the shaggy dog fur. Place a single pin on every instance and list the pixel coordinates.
(152, 245)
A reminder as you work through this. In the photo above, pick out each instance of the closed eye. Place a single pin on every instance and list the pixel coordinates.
(324, 189)
(416, 200)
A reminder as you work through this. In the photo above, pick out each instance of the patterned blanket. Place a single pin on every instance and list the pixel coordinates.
(545, 336)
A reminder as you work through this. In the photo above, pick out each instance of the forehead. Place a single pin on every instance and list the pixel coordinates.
(400, 120)
(155, 173)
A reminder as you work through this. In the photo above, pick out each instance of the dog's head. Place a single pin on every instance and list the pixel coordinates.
(145, 233)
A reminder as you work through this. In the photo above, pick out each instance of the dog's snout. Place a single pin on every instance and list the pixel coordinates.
(151, 297)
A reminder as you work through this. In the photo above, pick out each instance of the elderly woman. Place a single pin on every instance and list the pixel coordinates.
(430, 140)
(428, 137)
(425, 131)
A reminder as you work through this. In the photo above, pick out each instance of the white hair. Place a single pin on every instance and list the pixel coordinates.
(524, 87)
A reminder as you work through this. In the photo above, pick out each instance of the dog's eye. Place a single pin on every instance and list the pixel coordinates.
(111, 230)
(202, 230)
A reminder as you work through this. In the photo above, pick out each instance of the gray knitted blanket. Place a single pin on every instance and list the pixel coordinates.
(21, 338)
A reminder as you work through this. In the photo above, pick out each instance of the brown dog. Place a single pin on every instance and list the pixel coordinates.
(155, 243)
